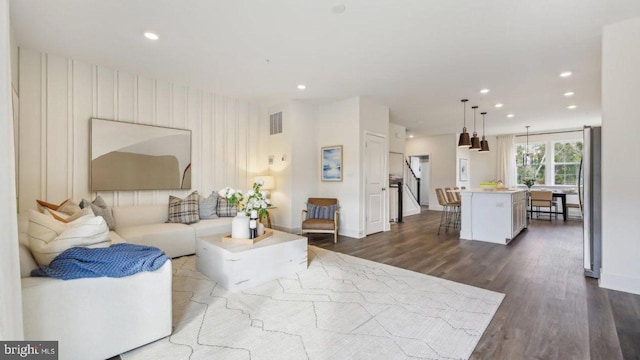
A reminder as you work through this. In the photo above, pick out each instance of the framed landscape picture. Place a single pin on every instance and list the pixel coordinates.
(331, 163)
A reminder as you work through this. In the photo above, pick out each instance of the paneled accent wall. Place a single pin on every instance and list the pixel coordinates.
(59, 95)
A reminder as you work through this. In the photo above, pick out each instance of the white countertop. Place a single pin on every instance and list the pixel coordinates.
(496, 191)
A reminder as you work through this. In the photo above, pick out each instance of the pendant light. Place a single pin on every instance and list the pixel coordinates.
(484, 144)
(475, 140)
(464, 140)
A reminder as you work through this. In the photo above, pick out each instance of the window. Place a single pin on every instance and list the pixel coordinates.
(566, 159)
(550, 163)
(532, 164)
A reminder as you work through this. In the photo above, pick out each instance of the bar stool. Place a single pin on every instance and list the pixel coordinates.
(454, 202)
(444, 215)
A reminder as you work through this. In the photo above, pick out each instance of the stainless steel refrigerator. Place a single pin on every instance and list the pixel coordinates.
(589, 191)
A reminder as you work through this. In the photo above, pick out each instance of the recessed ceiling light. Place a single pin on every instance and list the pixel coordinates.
(565, 74)
(510, 115)
(569, 93)
(302, 86)
(151, 36)
(499, 105)
(339, 9)
(571, 107)
(484, 91)
(411, 136)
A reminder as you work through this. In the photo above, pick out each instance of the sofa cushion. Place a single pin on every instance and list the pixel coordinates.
(208, 206)
(115, 238)
(27, 262)
(99, 208)
(65, 207)
(49, 237)
(184, 211)
(127, 216)
(174, 239)
(98, 318)
(226, 208)
(212, 226)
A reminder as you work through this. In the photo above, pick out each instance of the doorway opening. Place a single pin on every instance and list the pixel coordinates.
(420, 166)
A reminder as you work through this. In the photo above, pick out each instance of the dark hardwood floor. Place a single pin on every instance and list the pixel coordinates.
(550, 311)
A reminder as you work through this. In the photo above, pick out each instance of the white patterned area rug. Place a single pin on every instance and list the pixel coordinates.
(341, 307)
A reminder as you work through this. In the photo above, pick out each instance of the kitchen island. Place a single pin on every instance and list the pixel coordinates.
(496, 216)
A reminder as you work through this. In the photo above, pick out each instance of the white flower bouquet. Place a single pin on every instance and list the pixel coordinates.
(255, 199)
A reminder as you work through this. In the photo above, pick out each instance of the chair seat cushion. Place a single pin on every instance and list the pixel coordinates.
(544, 203)
(318, 224)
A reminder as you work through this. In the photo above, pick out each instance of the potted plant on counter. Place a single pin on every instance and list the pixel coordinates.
(529, 182)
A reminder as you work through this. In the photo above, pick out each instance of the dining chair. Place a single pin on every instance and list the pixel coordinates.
(541, 199)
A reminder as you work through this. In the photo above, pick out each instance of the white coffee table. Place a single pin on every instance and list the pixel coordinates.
(237, 267)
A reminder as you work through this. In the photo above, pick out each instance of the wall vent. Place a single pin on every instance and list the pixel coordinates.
(275, 123)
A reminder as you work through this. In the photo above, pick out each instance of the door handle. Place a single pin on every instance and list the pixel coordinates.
(384, 189)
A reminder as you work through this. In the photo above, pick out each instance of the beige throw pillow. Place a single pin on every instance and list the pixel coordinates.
(66, 207)
(49, 237)
(68, 218)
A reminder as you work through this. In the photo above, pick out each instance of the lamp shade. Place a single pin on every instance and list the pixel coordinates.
(475, 142)
(484, 145)
(464, 140)
(269, 182)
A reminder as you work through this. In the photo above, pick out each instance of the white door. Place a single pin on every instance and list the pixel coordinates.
(375, 183)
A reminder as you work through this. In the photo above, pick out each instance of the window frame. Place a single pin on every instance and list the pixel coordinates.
(550, 163)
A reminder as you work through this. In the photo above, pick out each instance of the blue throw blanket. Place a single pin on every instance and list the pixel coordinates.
(118, 260)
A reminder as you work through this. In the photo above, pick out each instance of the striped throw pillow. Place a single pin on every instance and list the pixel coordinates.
(226, 208)
(184, 211)
(321, 212)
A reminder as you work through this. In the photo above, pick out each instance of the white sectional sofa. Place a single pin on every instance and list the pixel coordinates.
(145, 225)
(94, 318)
(98, 318)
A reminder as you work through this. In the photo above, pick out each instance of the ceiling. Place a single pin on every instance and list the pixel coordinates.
(419, 57)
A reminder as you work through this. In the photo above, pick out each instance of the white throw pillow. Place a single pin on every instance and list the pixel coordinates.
(49, 237)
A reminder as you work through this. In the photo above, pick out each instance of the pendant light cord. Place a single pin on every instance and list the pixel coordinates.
(483, 124)
(474, 119)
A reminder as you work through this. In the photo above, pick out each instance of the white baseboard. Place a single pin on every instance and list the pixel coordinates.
(620, 282)
(411, 212)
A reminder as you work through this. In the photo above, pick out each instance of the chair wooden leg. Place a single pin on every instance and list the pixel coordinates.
(335, 237)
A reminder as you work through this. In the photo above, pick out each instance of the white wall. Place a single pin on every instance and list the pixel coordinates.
(305, 159)
(279, 146)
(463, 153)
(60, 95)
(341, 126)
(14, 61)
(10, 295)
(620, 171)
(483, 164)
(442, 157)
(397, 138)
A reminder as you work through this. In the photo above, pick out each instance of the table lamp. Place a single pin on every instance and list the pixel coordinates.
(269, 183)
